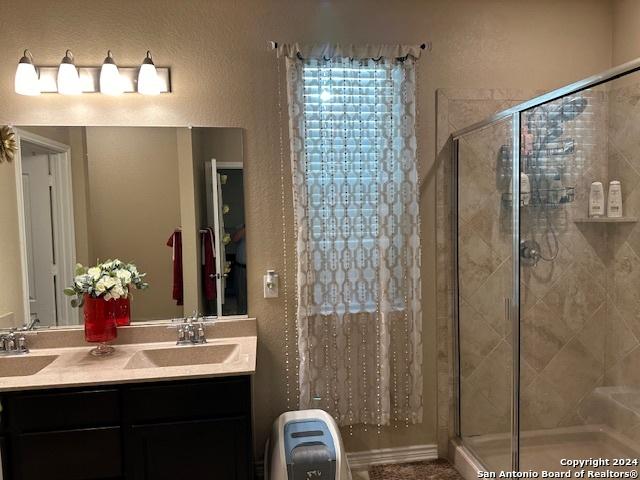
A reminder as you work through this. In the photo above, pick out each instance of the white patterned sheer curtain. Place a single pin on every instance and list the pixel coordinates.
(355, 191)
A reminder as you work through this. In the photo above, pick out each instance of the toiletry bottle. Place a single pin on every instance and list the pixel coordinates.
(556, 190)
(525, 189)
(596, 200)
(614, 199)
(568, 184)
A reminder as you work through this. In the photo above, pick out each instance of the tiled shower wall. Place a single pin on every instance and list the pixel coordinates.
(564, 301)
(617, 403)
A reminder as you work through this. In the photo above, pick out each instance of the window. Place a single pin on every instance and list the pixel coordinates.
(348, 114)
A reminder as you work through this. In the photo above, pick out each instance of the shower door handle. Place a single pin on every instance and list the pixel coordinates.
(507, 309)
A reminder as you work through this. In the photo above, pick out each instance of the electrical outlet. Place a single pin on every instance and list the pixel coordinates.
(270, 284)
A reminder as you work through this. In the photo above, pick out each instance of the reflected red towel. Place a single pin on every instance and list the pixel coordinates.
(209, 264)
(175, 241)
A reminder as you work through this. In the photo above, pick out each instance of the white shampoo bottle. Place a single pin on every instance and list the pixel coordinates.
(596, 200)
(614, 200)
(525, 189)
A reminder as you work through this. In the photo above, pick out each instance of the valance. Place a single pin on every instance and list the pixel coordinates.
(329, 50)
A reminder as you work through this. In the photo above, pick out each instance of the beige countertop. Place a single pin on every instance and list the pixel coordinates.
(230, 351)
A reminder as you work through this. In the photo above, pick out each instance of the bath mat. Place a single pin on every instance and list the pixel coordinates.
(433, 470)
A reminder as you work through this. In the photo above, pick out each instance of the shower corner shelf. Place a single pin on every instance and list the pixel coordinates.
(544, 197)
(607, 220)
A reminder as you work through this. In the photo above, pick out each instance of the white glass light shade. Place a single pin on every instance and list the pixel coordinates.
(110, 81)
(148, 83)
(68, 78)
(26, 81)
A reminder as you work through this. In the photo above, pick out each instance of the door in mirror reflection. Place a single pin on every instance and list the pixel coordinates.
(226, 220)
(41, 239)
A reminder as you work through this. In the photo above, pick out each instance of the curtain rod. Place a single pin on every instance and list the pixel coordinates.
(424, 46)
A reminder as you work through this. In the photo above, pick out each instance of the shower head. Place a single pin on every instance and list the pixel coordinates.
(554, 130)
(569, 109)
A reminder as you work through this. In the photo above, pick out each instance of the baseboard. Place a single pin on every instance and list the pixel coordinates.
(386, 456)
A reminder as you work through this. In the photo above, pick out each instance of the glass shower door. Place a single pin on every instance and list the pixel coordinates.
(485, 285)
(564, 283)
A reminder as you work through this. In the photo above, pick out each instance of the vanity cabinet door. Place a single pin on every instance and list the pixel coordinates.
(198, 450)
(64, 410)
(190, 400)
(4, 460)
(87, 454)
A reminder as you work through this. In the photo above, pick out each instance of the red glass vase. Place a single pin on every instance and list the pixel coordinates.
(121, 309)
(99, 324)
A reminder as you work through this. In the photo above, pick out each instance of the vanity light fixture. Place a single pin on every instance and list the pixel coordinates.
(148, 83)
(110, 81)
(26, 81)
(68, 77)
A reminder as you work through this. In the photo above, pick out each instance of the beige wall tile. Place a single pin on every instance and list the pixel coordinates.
(574, 372)
(542, 335)
(574, 297)
(477, 339)
(619, 338)
(541, 405)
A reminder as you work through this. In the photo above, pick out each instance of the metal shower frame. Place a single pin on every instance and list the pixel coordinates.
(512, 305)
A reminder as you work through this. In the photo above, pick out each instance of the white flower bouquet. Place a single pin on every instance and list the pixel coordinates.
(112, 279)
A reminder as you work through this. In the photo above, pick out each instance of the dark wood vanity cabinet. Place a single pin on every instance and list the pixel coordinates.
(204, 449)
(197, 429)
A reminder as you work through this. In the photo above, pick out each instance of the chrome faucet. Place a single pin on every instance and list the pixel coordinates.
(191, 331)
(13, 343)
(34, 321)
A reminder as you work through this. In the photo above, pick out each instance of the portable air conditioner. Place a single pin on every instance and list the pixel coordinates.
(305, 445)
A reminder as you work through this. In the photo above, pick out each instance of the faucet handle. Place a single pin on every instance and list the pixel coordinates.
(199, 333)
(10, 342)
(202, 338)
(21, 344)
(182, 336)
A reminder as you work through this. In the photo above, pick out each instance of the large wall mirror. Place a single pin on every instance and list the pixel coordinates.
(169, 200)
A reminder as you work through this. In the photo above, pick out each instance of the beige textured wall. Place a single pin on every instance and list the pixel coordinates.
(626, 30)
(190, 222)
(223, 75)
(11, 283)
(135, 206)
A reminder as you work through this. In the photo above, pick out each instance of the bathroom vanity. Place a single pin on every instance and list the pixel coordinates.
(201, 428)
(170, 200)
(152, 411)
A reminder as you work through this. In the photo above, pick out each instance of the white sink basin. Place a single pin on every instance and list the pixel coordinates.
(181, 356)
(24, 365)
